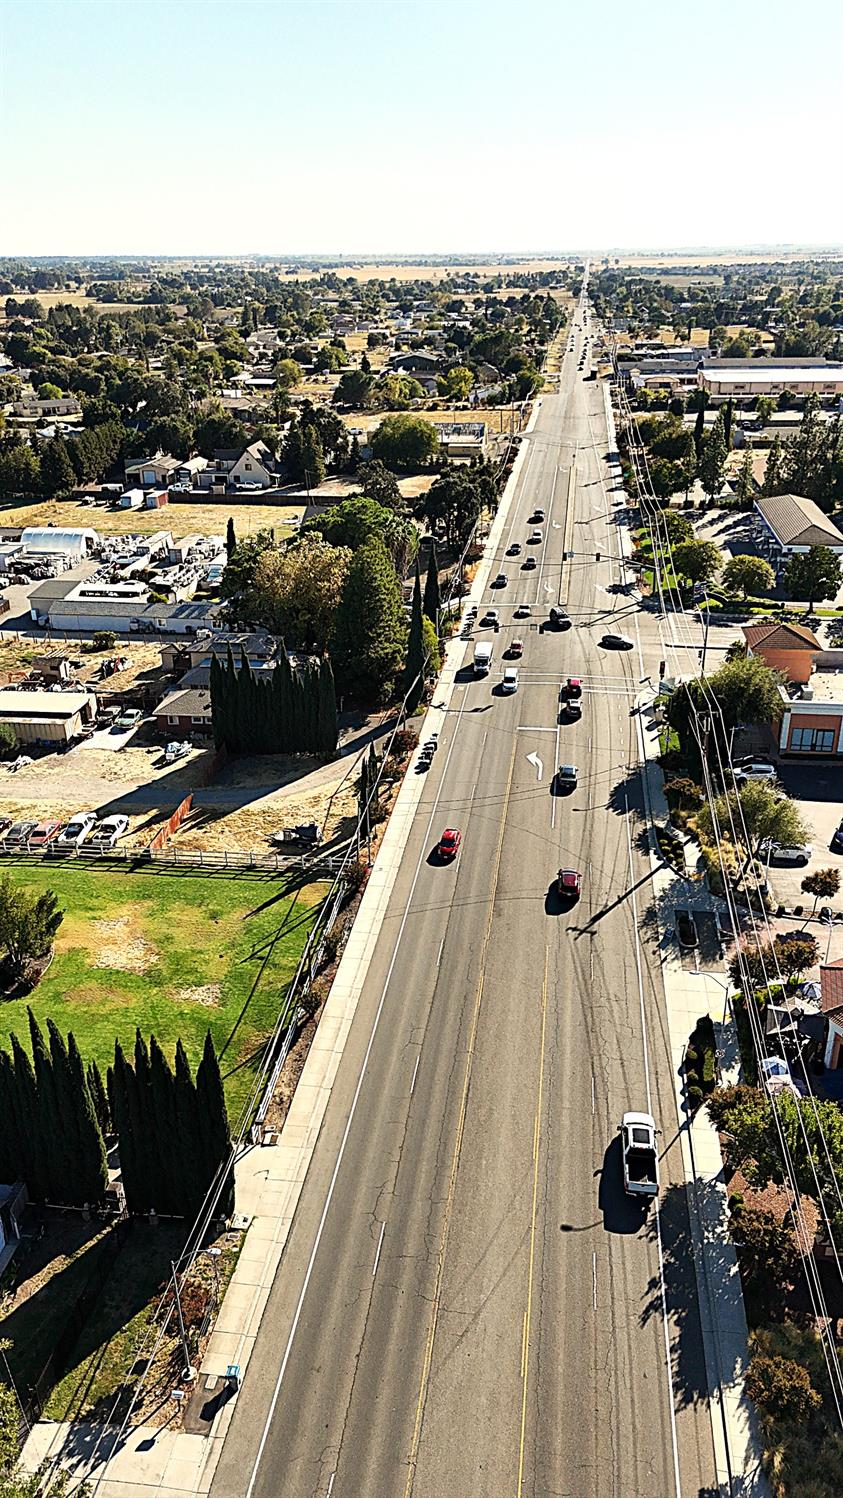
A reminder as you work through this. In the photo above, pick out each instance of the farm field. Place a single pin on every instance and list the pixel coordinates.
(179, 519)
(173, 954)
(388, 271)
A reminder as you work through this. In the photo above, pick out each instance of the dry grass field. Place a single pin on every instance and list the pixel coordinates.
(497, 418)
(391, 272)
(180, 519)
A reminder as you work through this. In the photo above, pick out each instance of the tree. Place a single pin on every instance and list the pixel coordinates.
(795, 953)
(404, 441)
(352, 522)
(803, 452)
(813, 1134)
(353, 389)
(697, 561)
(745, 482)
(20, 472)
(215, 1135)
(713, 460)
(414, 667)
(296, 588)
(8, 741)
(748, 574)
(676, 526)
(747, 691)
(28, 923)
(773, 470)
(768, 1254)
(288, 374)
(379, 484)
(58, 476)
(453, 504)
(727, 423)
(370, 630)
(815, 575)
(312, 458)
(456, 384)
(218, 429)
(765, 406)
(353, 462)
(99, 1098)
(431, 652)
(764, 812)
(699, 429)
(782, 1389)
(823, 884)
(230, 539)
(431, 602)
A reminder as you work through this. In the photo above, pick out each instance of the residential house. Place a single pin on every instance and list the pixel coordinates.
(254, 465)
(416, 364)
(186, 708)
(793, 524)
(64, 405)
(188, 472)
(152, 473)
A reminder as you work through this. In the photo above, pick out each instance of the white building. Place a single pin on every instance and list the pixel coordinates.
(77, 544)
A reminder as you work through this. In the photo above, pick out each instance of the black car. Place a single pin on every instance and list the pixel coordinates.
(559, 619)
(837, 839)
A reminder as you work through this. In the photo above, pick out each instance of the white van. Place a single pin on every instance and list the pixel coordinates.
(510, 679)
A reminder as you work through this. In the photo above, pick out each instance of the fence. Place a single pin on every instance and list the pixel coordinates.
(162, 837)
(233, 861)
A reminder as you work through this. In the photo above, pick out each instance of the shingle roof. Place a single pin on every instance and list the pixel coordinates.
(193, 703)
(831, 986)
(777, 635)
(798, 522)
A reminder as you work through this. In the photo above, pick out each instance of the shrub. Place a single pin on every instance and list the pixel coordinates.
(8, 741)
(103, 639)
(694, 1096)
(700, 1061)
(403, 742)
(781, 1388)
(355, 877)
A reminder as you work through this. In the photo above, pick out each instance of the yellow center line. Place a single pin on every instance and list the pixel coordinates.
(525, 1352)
(446, 1223)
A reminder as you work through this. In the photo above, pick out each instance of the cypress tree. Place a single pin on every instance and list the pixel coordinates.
(727, 424)
(100, 1096)
(217, 702)
(13, 1154)
(363, 797)
(297, 744)
(162, 1098)
(191, 1191)
(33, 1136)
(58, 1151)
(310, 705)
(127, 1127)
(109, 1093)
(247, 731)
(230, 538)
(230, 701)
(68, 1141)
(414, 669)
(374, 787)
(432, 602)
(699, 432)
(216, 1135)
(328, 724)
(281, 692)
(149, 1143)
(94, 1180)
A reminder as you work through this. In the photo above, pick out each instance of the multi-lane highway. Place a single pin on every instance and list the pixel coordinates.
(484, 1314)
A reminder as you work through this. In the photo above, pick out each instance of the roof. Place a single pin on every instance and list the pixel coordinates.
(778, 636)
(56, 536)
(831, 986)
(819, 374)
(796, 521)
(195, 702)
(51, 706)
(160, 460)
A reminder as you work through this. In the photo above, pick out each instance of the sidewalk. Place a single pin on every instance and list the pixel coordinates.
(172, 1463)
(689, 995)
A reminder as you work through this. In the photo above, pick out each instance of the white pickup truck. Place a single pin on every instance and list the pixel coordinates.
(640, 1156)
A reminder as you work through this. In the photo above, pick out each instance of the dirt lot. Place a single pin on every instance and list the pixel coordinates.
(180, 519)
(497, 418)
(143, 662)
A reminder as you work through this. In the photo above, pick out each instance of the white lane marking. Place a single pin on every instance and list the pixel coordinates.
(439, 954)
(593, 1100)
(594, 1280)
(378, 1250)
(645, 1045)
(533, 759)
(273, 1404)
(532, 728)
(555, 763)
(415, 1074)
(330, 1485)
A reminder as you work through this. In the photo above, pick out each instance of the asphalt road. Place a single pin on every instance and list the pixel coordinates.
(484, 1312)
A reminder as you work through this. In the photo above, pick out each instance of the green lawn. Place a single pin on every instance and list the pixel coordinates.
(174, 954)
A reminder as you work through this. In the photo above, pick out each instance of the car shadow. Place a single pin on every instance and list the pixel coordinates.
(556, 904)
(622, 1214)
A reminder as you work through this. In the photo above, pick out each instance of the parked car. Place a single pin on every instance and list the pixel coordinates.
(755, 770)
(686, 930)
(801, 853)
(617, 642)
(837, 839)
(107, 832)
(449, 843)
(640, 1155)
(128, 720)
(77, 830)
(43, 834)
(18, 835)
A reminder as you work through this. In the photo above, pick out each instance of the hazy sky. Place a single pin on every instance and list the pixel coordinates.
(154, 126)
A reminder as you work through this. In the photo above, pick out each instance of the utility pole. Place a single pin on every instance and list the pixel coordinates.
(189, 1371)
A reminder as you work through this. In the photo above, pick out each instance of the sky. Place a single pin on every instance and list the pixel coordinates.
(350, 127)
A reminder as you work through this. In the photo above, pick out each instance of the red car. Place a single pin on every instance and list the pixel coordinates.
(449, 843)
(43, 834)
(516, 649)
(569, 883)
(574, 687)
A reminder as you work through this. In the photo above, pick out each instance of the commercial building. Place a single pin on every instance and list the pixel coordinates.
(727, 379)
(46, 539)
(46, 717)
(811, 722)
(795, 524)
(789, 648)
(81, 608)
(461, 439)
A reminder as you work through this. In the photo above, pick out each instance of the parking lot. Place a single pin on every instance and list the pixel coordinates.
(818, 790)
